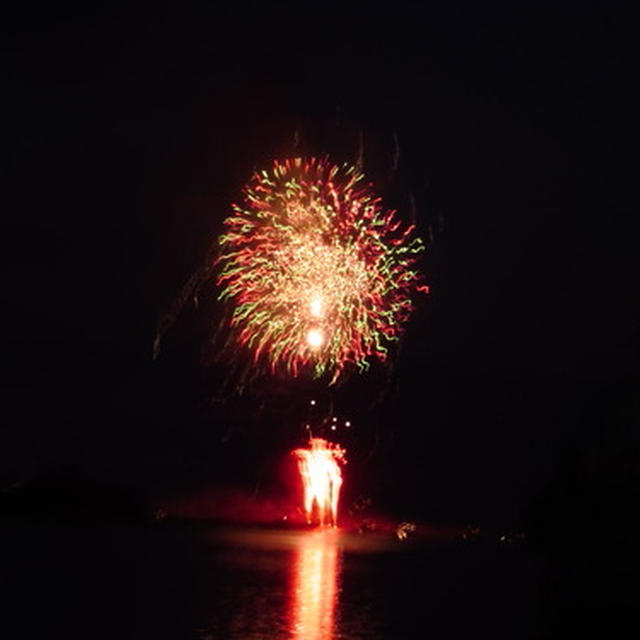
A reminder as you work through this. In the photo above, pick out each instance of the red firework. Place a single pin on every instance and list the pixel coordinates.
(319, 274)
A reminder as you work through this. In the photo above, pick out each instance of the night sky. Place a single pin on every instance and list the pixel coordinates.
(128, 133)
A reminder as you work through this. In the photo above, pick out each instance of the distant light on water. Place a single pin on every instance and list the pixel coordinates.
(314, 586)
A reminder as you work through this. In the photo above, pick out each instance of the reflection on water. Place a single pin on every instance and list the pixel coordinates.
(314, 585)
(200, 583)
(238, 583)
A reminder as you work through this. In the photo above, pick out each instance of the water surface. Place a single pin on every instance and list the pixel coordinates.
(167, 582)
(253, 584)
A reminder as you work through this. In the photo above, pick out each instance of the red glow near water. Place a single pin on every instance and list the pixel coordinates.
(321, 479)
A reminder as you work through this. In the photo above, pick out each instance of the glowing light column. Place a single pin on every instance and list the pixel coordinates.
(321, 479)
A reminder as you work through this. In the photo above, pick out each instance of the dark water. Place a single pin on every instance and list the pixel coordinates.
(169, 582)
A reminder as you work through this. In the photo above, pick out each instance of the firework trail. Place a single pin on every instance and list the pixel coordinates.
(319, 275)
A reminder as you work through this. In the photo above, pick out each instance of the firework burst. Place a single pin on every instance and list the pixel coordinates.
(319, 275)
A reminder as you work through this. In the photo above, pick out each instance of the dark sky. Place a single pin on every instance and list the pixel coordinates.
(129, 131)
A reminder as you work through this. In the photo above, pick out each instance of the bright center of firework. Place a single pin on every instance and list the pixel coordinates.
(321, 479)
(315, 338)
(316, 307)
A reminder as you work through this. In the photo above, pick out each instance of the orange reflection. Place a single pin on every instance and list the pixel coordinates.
(314, 586)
